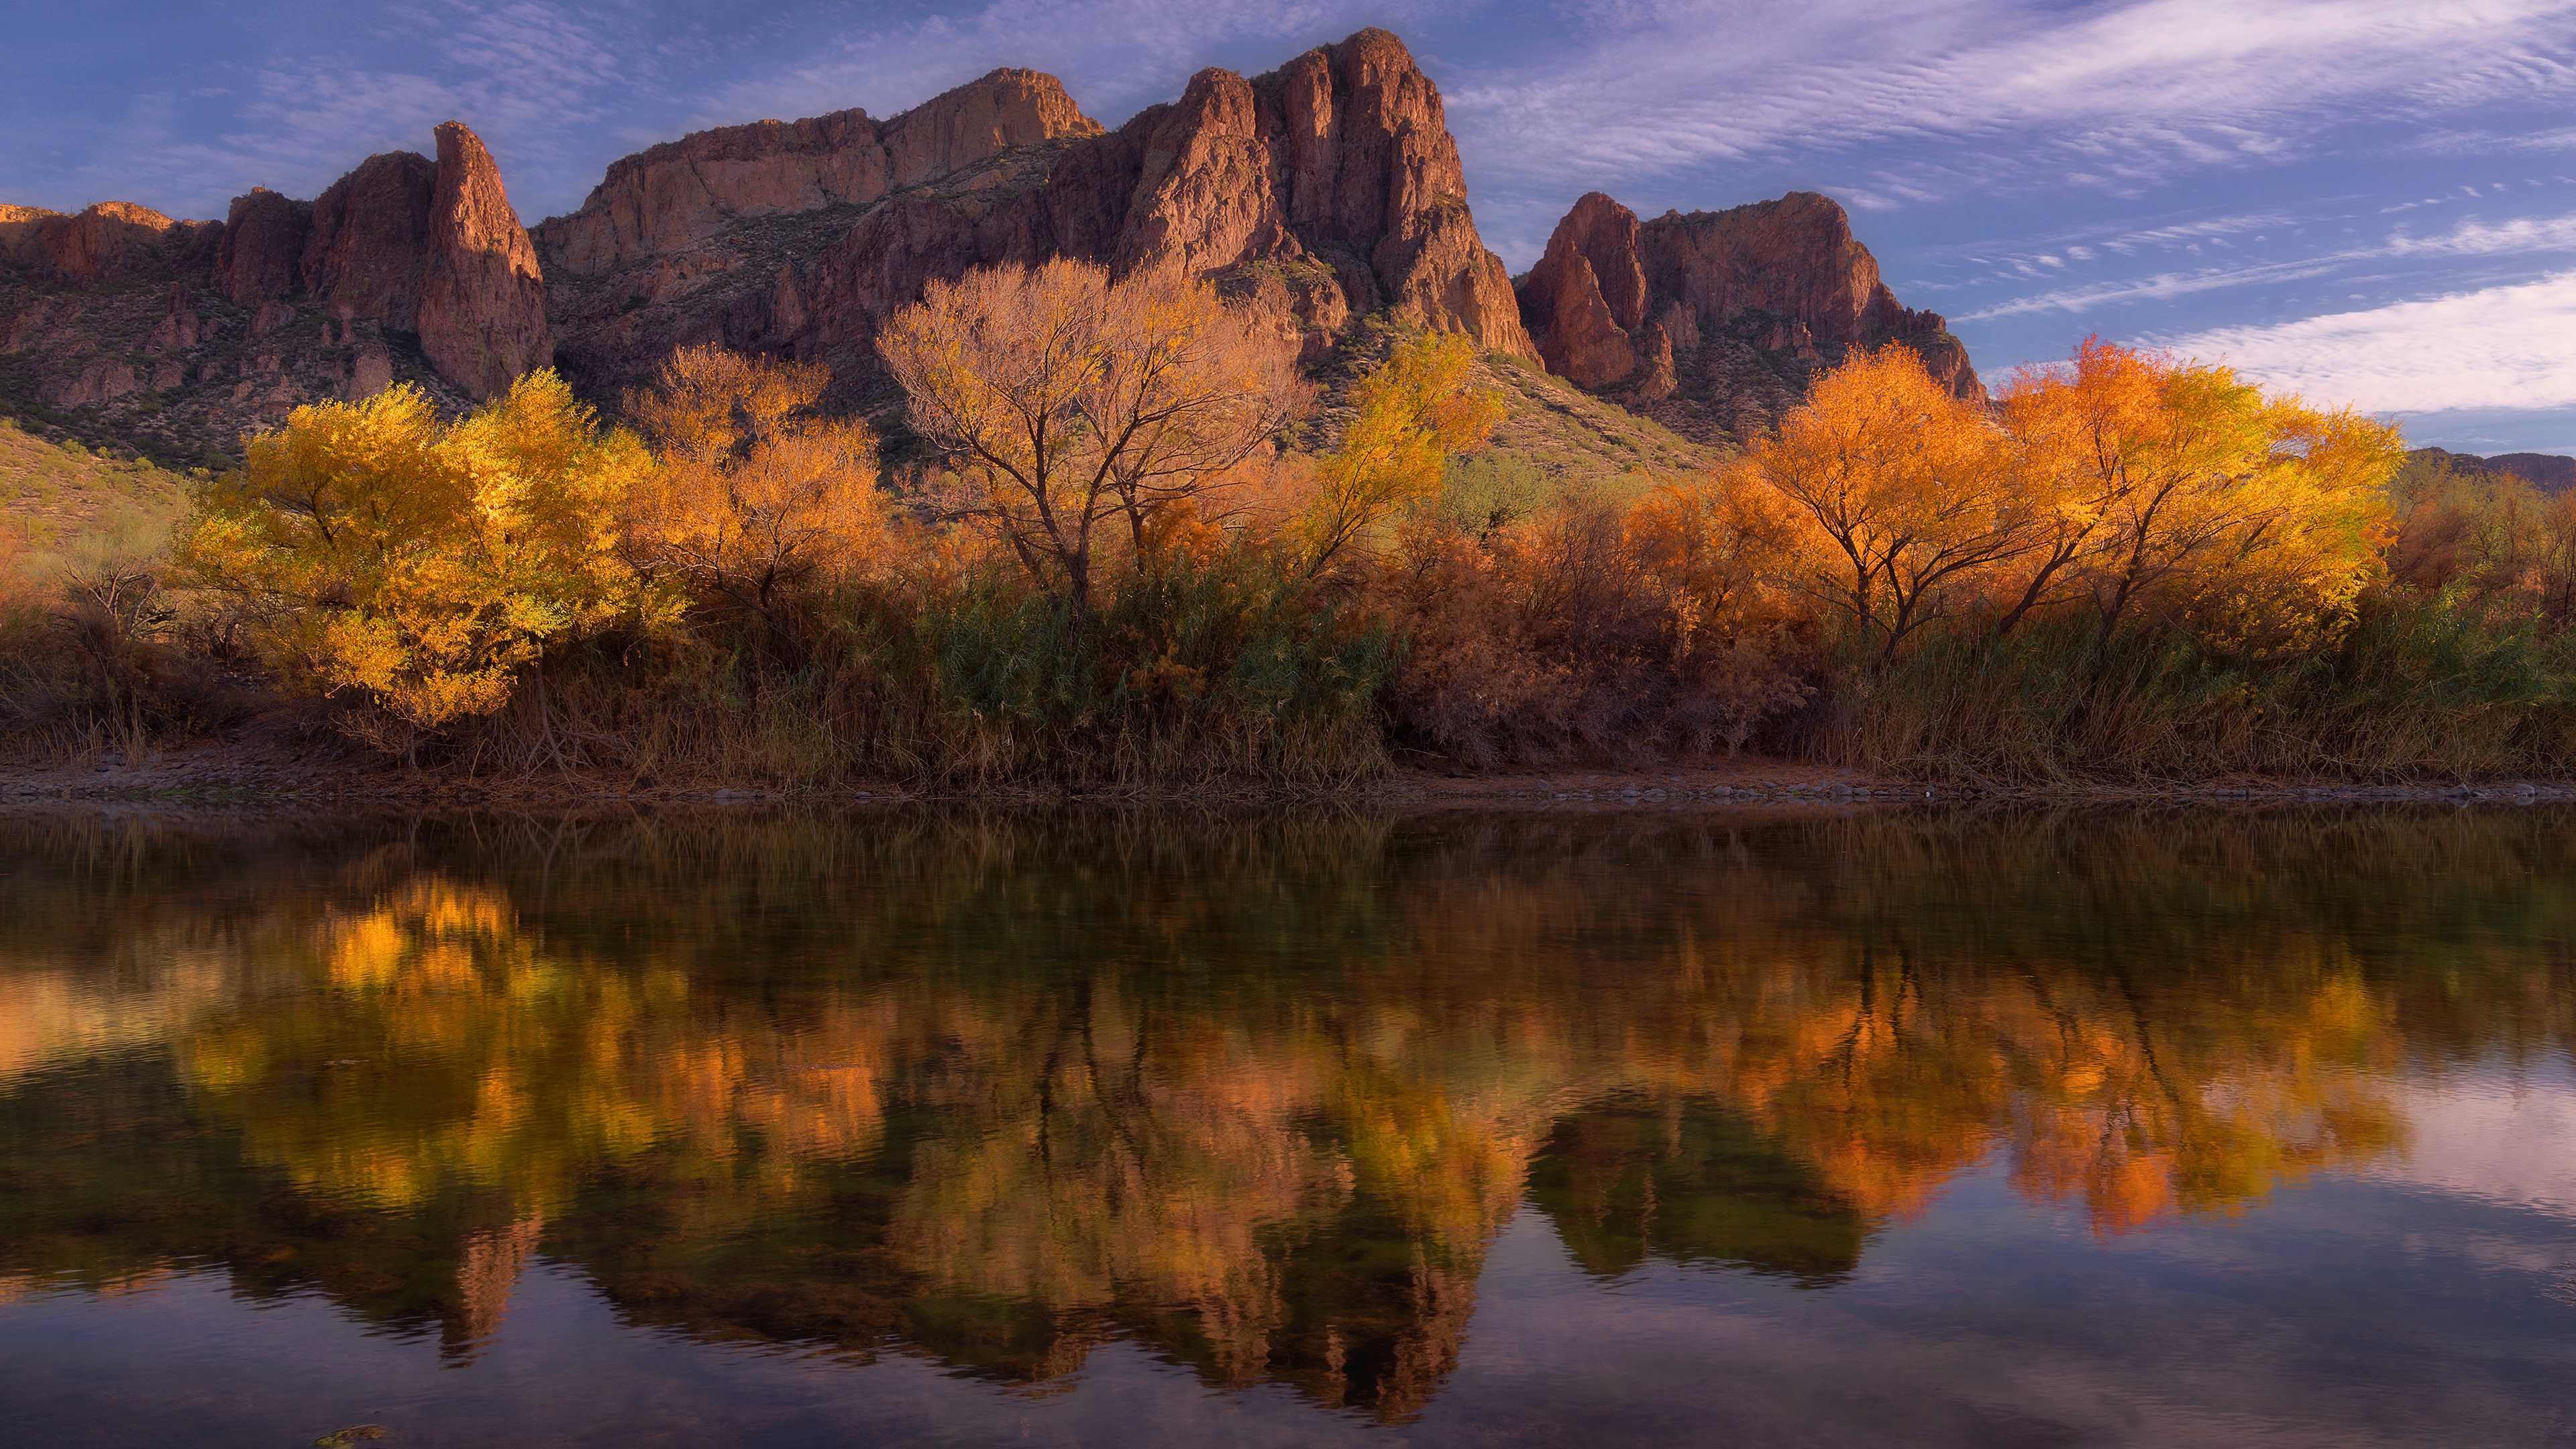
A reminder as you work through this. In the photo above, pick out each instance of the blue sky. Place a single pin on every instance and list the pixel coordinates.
(2367, 201)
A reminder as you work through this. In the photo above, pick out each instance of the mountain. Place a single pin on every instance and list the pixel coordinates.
(174, 337)
(1715, 322)
(1322, 193)
(2550, 473)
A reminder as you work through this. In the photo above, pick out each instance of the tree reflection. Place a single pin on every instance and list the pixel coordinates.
(1257, 1093)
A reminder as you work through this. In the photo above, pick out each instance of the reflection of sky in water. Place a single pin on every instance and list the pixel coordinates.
(1917, 1131)
(1986, 1322)
(2504, 1135)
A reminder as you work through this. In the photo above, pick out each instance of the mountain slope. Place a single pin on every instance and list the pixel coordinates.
(61, 502)
(172, 338)
(1324, 193)
(1714, 323)
(1326, 190)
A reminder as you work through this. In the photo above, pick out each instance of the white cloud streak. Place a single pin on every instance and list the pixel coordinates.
(2121, 95)
(2472, 237)
(2499, 347)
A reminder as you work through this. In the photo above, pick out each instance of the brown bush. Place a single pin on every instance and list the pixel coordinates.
(1589, 632)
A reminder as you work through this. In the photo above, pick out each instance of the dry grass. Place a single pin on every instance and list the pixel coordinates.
(67, 503)
(2417, 689)
(1201, 672)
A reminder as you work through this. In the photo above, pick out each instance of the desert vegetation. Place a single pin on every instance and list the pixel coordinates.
(1131, 544)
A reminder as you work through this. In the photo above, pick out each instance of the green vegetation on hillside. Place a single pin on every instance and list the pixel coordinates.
(61, 503)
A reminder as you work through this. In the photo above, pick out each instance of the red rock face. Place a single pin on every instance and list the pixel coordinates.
(369, 242)
(1339, 160)
(1203, 198)
(1587, 296)
(177, 337)
(681, 192)
(1714, 321)
(263, 247)
(482, 313)
(1323, 190)
(956, 129)
(421, 246)
(877, 266)
(107, 242)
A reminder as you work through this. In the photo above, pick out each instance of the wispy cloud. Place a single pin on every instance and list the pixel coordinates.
(2160, 287)
(2476, 237)
(2472, 237)
(1115, 56)
(2499, 347)
(305, 106)
(2119, 94)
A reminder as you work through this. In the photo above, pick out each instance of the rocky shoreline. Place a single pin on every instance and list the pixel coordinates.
(255, 777)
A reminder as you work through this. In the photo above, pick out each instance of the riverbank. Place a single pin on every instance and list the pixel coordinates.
(264, 772)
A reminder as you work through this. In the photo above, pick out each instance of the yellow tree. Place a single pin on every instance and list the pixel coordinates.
(1072, 401)
(1909, 497)
(2077, 428)
(1411, 414)
(757, 489)
(2309, 527)
(420, 563)
(2181, 486)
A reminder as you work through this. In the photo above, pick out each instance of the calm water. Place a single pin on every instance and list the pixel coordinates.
(1920, 1129)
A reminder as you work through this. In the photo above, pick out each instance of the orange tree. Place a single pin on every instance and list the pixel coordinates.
(1072, 401)
(756, 490)
(1905, 498)
(2180, 488)
(2121, 483)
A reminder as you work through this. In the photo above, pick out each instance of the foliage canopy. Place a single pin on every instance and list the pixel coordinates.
(423, 563)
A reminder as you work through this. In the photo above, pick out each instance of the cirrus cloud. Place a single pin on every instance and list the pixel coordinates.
(2497, 347)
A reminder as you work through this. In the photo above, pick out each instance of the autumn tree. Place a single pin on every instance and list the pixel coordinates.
(2182, 486)
(2485, 535)
(424, 564)
(1409, 416)
(1072, 402)
(1908, 497)
(1706, 547)
(757, 489)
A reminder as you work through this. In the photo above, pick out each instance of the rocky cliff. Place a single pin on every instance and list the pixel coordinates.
(1324, 190)
(1320, 193)
(111, 241)
(1714, 322)
(482, 312)
(672, 196)
(173, 337)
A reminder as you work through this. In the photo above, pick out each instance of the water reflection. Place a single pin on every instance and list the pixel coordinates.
(1257, 1093)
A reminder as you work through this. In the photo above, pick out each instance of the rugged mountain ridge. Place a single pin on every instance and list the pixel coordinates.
(1713, 323)
(176, 336)
(1321, 191)
(669, 197)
